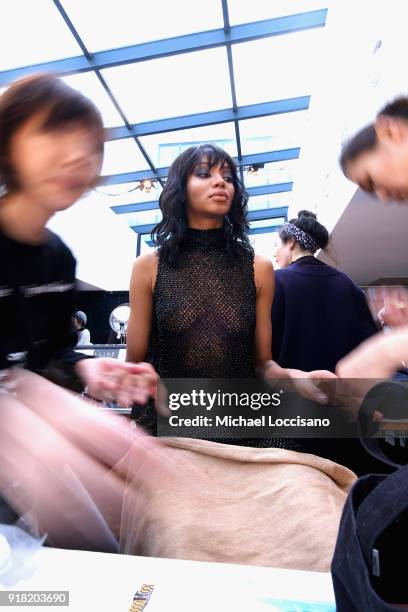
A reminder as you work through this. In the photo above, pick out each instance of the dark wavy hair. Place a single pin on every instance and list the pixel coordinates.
(366, 139)
(170, 233)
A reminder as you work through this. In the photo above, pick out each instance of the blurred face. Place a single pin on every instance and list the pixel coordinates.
(54, 167)
(384, 169)
(210, 191)
(284, 253)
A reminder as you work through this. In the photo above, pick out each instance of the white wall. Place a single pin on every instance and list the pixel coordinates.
(101, 241)
(355, 78)
(369, 241)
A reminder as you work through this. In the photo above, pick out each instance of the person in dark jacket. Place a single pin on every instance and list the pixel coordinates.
(318, 316)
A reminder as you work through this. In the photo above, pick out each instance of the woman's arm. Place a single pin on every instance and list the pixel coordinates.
(265, 287)
(265, 290)
(141, 306)
(377, 357)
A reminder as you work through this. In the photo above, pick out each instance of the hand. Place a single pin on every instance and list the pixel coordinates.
(366, 366)
(392, 303)
(315, 385)
(126, 383)
(350, 394)
(396, 307)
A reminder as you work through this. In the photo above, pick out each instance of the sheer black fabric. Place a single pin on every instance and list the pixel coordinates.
(205, 311)
(204, 318)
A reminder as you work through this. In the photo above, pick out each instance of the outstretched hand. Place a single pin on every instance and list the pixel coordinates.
(315, 385)
(126, 383)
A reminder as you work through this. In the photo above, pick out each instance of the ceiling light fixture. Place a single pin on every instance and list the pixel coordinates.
(147, 185)
(254, 168)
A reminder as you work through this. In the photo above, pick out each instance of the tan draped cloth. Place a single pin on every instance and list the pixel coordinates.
(234, 504)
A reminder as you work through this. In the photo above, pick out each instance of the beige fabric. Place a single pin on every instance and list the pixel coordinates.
(234, 504)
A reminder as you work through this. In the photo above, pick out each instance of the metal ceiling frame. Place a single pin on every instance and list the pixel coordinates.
(127, 126)
(123, 209)
(188, 43)
(226, 115)
(246, 160)
(264, 230)
(217, 38)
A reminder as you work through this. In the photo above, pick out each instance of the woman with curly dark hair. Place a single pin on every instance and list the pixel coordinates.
(201, 308)
(203, 297)
(200, 304)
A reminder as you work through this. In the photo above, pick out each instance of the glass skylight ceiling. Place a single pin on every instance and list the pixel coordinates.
(174, 84)
(164, 148)
(88, 83)
(277, 67)
(131, 22)
(175, 73)
(20, 43)
(243, 12)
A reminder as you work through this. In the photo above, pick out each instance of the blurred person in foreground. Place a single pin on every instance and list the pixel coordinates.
(63, 465)
(51, 149)
(376, 159)
(367, 572)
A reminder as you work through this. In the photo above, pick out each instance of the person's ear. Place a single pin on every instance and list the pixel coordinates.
(390, 130)
(291, 243)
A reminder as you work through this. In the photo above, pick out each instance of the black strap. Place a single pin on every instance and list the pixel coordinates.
(389, 398)
(372, 446)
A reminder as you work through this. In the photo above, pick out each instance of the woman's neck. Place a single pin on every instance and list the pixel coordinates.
(202, 223)
(22, 219)
(301, 253)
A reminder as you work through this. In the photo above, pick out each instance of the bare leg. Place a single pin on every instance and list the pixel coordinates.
(61, 450)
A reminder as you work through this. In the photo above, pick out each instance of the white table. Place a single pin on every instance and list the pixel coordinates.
(107, 583)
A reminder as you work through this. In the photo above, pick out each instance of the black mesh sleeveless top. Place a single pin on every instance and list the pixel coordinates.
(204, 317)
(204, 311)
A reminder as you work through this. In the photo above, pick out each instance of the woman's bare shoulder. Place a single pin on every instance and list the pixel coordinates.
(145, 269)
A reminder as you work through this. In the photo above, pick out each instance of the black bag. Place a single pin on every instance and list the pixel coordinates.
(370, 563)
